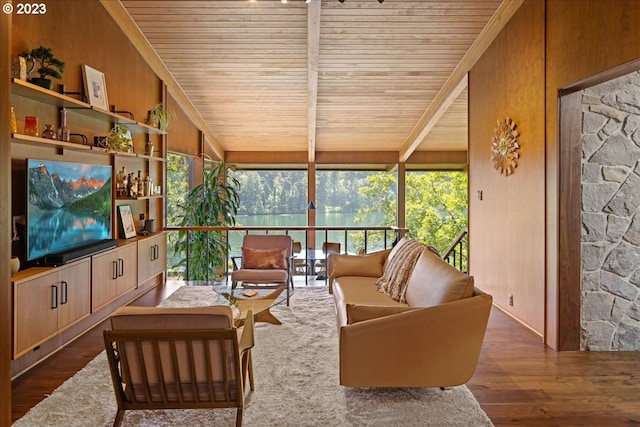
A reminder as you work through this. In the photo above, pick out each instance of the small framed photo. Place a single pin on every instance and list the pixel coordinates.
(95, 87)
(127, 227)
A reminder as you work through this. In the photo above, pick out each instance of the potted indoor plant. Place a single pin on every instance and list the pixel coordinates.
(160, 116)
(47, 65)
(215, 202)
(118, 140)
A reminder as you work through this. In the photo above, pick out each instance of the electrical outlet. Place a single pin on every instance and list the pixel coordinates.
(19, 226)
(511, 300)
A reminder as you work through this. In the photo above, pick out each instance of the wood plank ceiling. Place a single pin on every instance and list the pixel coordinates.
(324, 76)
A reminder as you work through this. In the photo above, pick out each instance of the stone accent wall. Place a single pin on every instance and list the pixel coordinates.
(611, 216)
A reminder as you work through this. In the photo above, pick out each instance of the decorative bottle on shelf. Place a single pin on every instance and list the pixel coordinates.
(118, 183)
(124, 185)
(49, 132)
(14, 124)
(63, 132)
(140, 191)
(147, 186)
(149, 148)
(130, 185)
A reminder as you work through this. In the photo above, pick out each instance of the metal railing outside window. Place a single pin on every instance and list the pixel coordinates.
(353, 240)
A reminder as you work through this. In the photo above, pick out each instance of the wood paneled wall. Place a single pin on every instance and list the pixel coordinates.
(506, 227)
(183, 136)
(84, 33)
(547, 46)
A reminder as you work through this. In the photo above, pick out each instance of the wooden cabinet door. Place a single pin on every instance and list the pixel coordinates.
(127, 268)
(74, 293)
(104, 278)
(152, 256)
(35, 312)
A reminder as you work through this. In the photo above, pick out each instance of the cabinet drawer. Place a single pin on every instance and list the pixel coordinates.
(152, 257)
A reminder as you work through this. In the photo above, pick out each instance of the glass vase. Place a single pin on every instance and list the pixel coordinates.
(49, 132)
(31, 126)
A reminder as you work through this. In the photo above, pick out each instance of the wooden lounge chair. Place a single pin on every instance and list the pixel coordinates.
(179, 358)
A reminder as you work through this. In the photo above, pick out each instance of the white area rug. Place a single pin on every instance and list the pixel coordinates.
(296, 380)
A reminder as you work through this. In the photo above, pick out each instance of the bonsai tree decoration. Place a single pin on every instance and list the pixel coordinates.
(47, 65)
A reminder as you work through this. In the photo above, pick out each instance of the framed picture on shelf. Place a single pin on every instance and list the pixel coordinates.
(127, 227)
(95, 87)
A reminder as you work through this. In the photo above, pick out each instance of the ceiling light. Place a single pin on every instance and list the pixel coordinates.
(307, 1)
(284, 1)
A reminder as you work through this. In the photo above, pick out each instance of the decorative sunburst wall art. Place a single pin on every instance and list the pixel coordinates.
(504, 146)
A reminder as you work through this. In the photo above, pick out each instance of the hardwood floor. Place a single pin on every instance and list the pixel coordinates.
(519, 382)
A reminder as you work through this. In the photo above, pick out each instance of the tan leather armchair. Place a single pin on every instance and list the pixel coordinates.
(266, 260)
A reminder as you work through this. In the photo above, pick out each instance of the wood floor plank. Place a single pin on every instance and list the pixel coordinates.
(518, 382)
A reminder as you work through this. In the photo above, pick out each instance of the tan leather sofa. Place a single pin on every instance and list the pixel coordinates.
(434, 340)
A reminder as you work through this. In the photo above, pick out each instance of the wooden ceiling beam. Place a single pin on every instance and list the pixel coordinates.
(313, 51)
(138, 39)
(457, 81)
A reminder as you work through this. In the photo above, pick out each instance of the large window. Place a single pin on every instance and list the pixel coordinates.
(436, 206)
(179, 182)
(436, 203)
(271, 198)
(355, 198)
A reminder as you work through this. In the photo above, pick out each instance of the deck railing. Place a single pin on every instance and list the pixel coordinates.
(352, 240)
(457, 253)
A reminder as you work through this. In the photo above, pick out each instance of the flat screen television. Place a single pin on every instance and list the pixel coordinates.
(69, 206)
